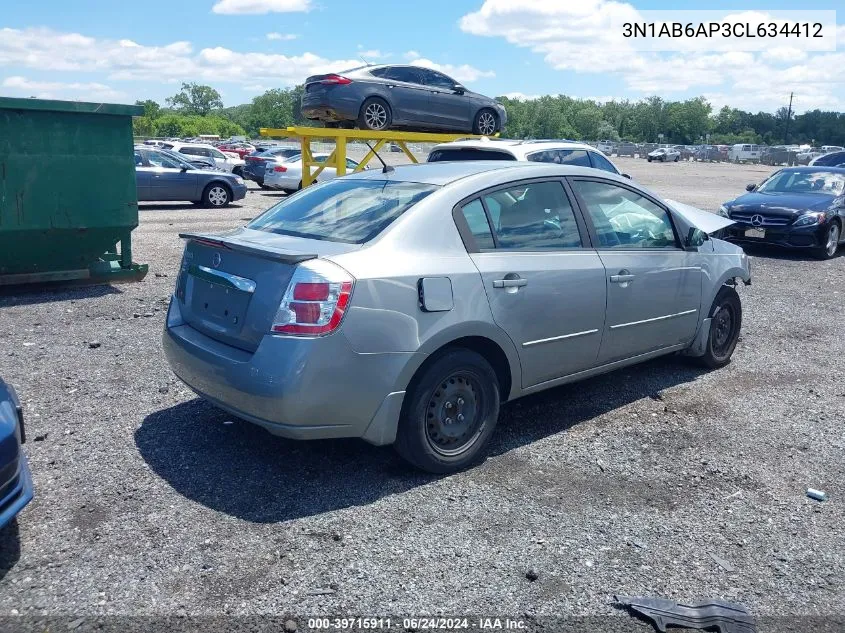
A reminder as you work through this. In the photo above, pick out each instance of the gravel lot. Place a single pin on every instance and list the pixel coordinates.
(660, 480)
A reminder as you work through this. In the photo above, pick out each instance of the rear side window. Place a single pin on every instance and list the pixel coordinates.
(576, 157)
(478, 225)
(350, 211)
(467, 153)
(378, 72)
(533, 216)
(600, 162)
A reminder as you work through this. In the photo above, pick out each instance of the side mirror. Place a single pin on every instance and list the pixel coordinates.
(459, 89)
(750, 187)
(695, 238)
(628, 176)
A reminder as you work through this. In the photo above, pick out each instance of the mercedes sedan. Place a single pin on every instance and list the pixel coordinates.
(384, 97)
(797, 207)
(405, 307)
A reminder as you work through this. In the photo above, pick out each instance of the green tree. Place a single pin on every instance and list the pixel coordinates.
(195, 99)
(152, 110)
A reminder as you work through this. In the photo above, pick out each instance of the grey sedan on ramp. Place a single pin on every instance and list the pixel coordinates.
(395, 96)
(405, 307)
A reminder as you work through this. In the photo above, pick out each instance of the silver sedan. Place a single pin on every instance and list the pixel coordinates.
(405, 307)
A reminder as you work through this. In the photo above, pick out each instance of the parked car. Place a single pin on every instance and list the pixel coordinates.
(686, 151)
(606, 147)
(664, 155)
(383, 97)
(15, 479)
(163, 176)
(240, 149)
(423, 299)
(626, 148)
(778, 155)
(255, 165)
(227, 163)
(834, 159)
(559, 152)
(287, 174)
(707, 153)
(796, 207)
(744, 153)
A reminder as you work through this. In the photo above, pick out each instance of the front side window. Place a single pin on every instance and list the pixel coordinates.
(436, 79)
(159, 159)
(600, 162)
(350, 211)
(218, 155)
(533, 216)
(624, 218)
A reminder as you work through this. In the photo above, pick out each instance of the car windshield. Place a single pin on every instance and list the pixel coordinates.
(349, 211)
(468, 153)
(786, 181)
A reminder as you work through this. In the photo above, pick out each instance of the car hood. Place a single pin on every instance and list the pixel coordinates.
(787, 204)
(702, 220)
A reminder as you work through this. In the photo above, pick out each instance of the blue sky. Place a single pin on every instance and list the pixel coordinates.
(99, 50)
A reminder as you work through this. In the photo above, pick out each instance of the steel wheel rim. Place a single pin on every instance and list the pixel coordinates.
(832, 240)
(217, 196)
(376, 116)
(454, 416)
(486, 123)
(723, 330)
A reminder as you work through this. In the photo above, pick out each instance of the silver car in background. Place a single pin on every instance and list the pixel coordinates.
(405, 307)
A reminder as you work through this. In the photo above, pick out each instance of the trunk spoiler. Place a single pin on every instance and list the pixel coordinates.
(242, 246)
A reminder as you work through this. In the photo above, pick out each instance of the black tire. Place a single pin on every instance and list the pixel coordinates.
(265, 187)
(649, 158)
(677, 158)
(831, 242)
(238, 171)
(484, 118)
(427, 436)
(374, 115)
(213, 195)
(721, 342)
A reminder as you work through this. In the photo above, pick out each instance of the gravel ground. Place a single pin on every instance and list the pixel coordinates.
(659, 480)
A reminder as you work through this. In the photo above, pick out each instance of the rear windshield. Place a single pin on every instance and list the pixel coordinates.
(468, 153)
(349, 211)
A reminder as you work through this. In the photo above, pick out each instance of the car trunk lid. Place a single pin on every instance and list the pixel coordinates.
(230, 284)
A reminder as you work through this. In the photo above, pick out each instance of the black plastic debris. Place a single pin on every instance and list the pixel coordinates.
(712, 614)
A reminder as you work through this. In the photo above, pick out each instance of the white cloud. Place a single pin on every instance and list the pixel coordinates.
(411, 55)
(284, 37)
(232, 7)
(373, 53)
(21, 86)
(521, 96)
(464, 72)
(585, 37)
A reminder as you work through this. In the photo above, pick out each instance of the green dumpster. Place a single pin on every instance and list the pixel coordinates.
(67, 192)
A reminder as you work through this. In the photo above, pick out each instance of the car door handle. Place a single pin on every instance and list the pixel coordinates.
(509, 283)
(622, 278)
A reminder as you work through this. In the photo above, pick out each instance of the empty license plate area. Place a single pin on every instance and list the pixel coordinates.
(219, 299)
(755, 233)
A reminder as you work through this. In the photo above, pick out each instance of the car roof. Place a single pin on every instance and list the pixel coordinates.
(515, 146)
(447, 172)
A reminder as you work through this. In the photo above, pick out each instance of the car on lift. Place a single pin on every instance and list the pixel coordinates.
(404, 305)
(399, 97)
(15, 479)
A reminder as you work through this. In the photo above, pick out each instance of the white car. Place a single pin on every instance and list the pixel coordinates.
(287, 174)
(664, 155)
(560, 152)
(230, 163)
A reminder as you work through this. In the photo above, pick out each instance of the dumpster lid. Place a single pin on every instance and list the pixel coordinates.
(81, 107)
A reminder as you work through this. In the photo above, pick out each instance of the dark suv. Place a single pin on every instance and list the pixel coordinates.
(384, 97)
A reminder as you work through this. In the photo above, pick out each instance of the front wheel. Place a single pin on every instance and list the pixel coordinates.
(831, 242)
(649, 159)
(450, 413)
(216, 196)
(725, 324)
(677, 158)
(486, 123)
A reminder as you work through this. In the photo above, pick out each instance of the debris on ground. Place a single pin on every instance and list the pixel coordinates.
(711, 614)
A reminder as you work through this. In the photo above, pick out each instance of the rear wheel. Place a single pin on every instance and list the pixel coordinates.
(374, 115)
(450, 413)
(831, 242)
(725, 324)
(677, 158)
(486, 123)
(216, 195)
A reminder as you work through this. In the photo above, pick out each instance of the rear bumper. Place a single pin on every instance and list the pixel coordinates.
(330, 107)
(301, 388)
(20, 495)
(788, 237)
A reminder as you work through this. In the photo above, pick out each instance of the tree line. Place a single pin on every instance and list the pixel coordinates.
(198, 109)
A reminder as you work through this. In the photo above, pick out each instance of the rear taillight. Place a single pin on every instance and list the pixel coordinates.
(280, 168)
(315, 300)
(335, 80)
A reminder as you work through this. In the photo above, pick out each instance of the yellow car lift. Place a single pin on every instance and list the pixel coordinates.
(337, 158)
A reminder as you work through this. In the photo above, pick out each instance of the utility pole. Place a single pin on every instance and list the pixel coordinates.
(788, 117)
